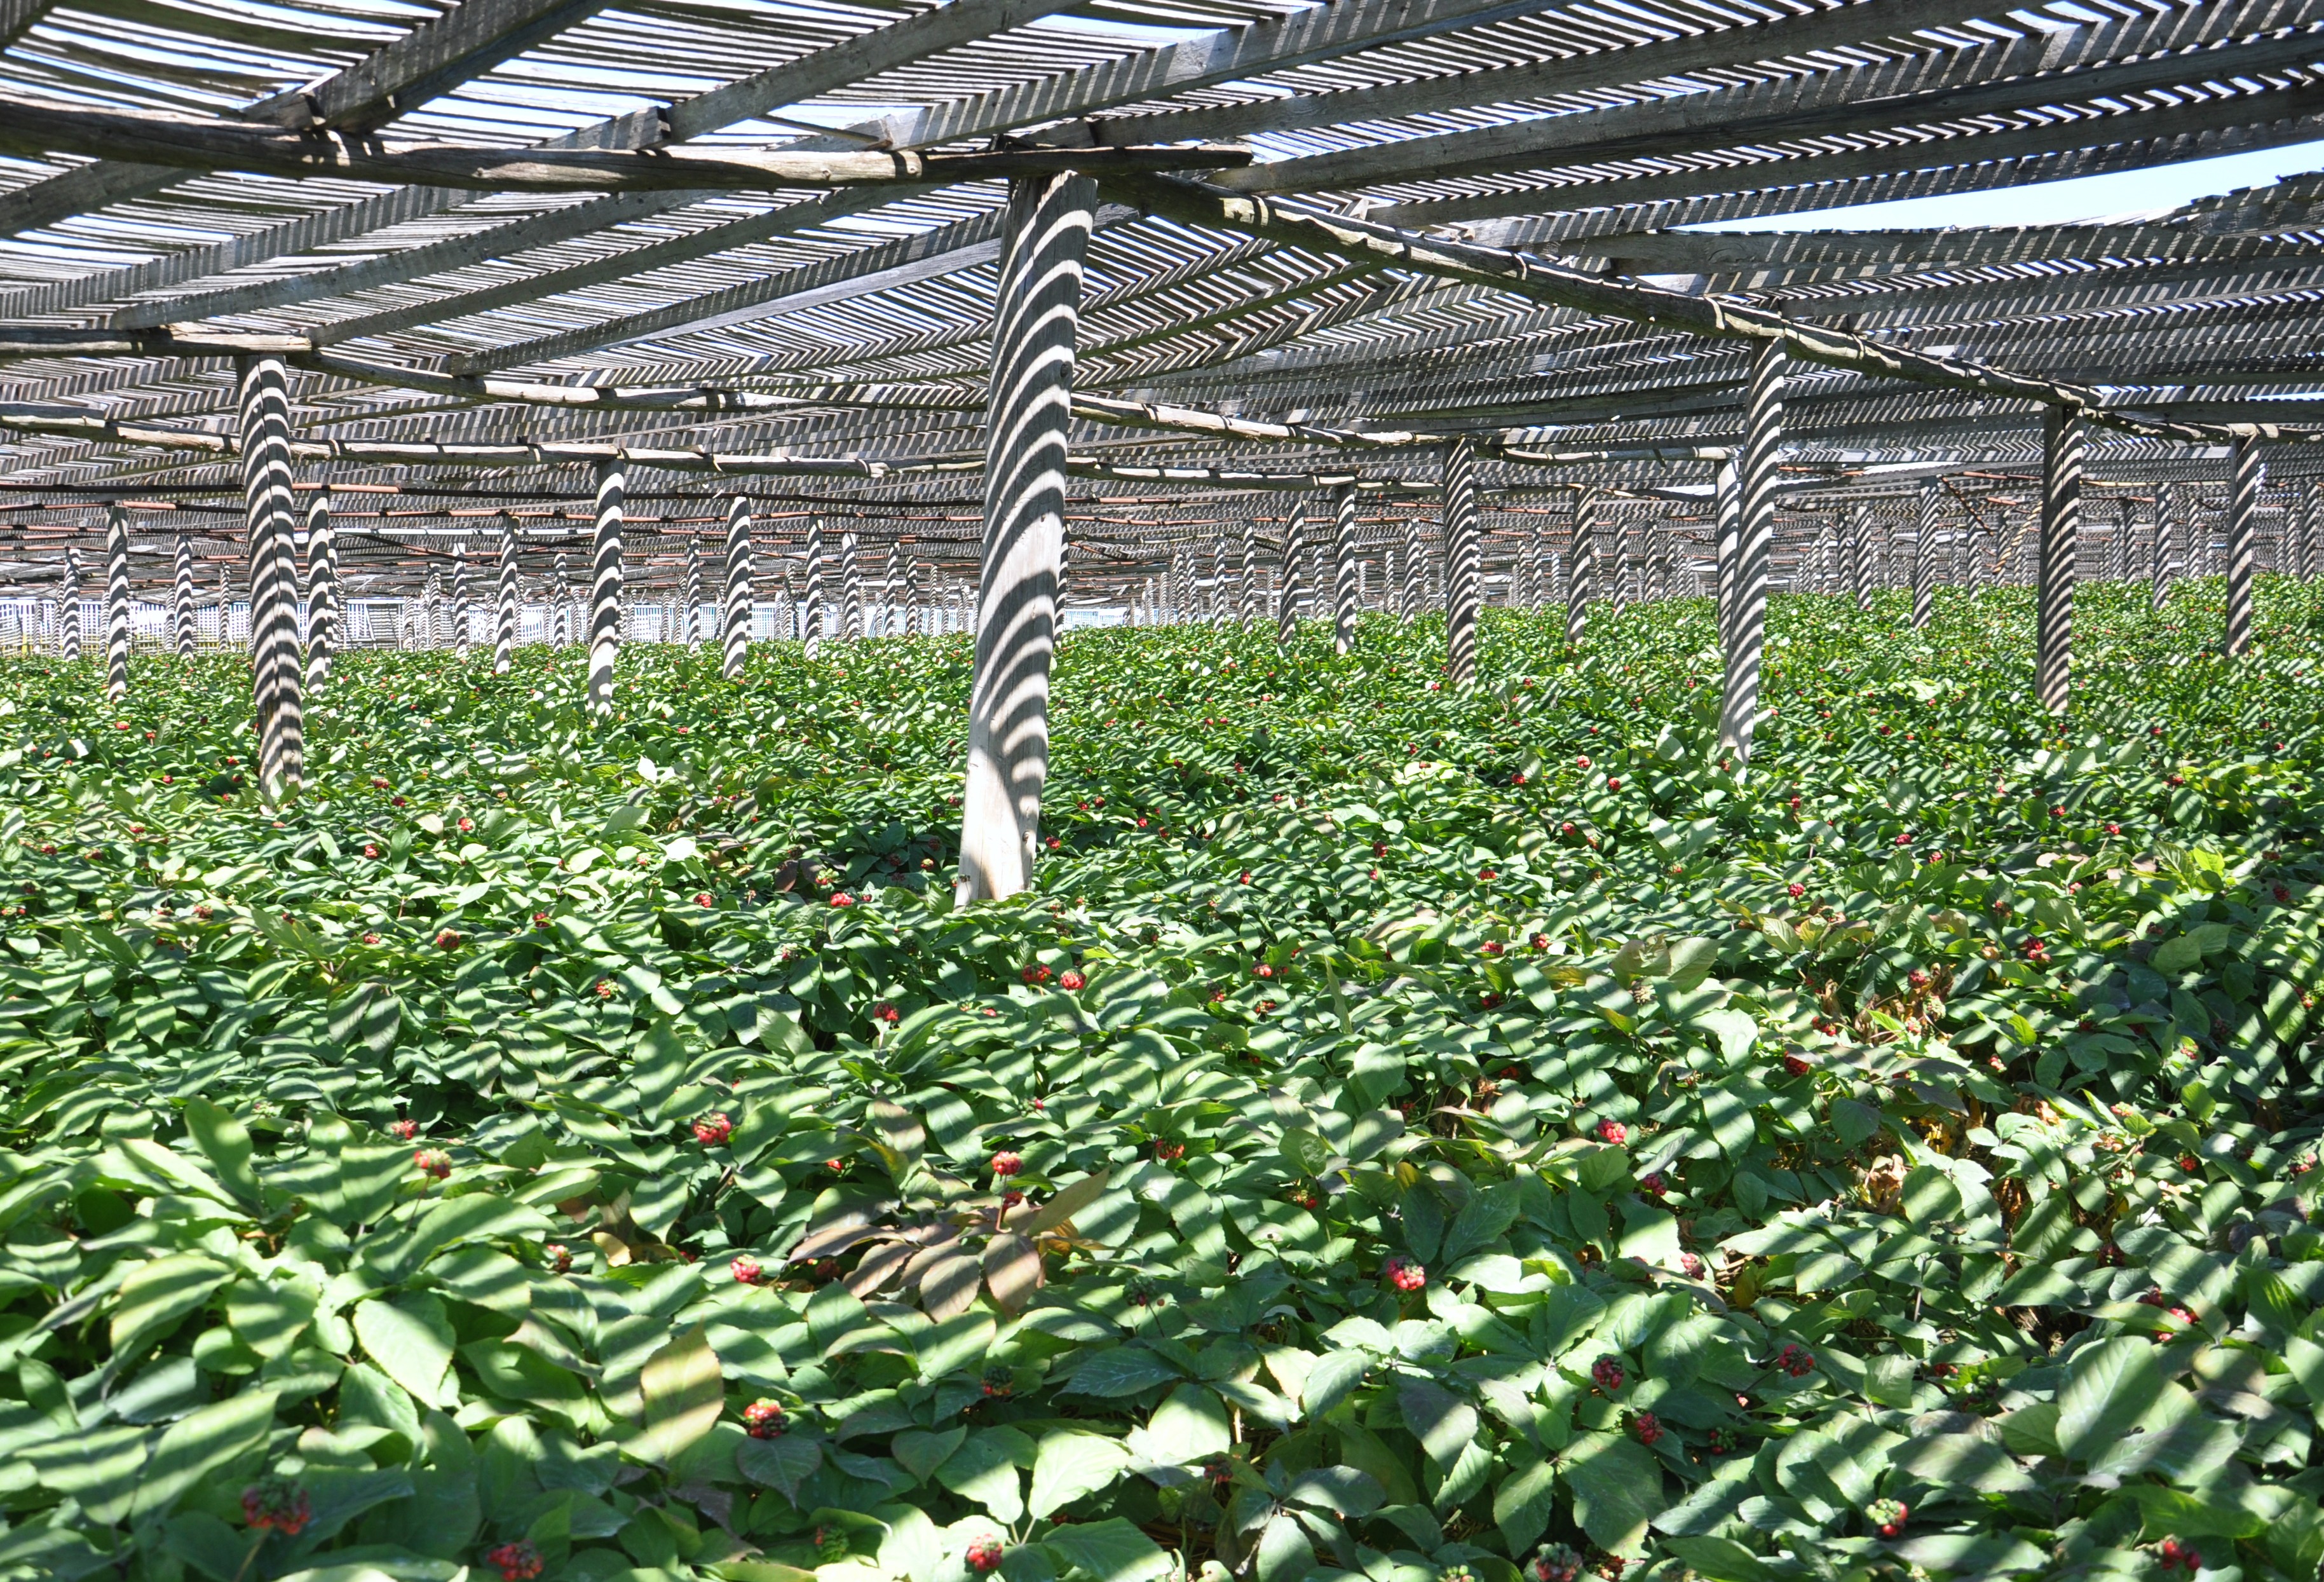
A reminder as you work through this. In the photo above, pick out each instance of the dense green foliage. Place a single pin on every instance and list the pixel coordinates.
(1437, 1131)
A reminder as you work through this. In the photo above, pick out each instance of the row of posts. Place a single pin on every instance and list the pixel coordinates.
(1020, 587)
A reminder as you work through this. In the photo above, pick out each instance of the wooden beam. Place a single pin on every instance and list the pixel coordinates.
(192, 142)
(439, 54)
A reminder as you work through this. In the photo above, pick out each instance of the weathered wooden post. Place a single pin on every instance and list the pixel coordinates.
(1924, 554)
(322, 590)
(1287, 592)
(117, 601)
(2242, 542)
(182, 595)
(1346, 595)
(460, 618)
(813, 616)
(1027, 418)
(1755, 547)
(735, 606)
(605, 573)
(1581, 548)
(2064, 439)
(69, 611)
(505, 597)
(277, 684)
(1464, 562)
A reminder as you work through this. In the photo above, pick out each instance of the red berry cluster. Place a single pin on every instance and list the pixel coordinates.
(1647, 1427)
(766, 1420)
(1607, 1373)
(1404, 1273)
(561, 1258)
(407, 1129)
(747, 1272)
(1036, 974)
(2173, 1554)
(984, 1554)
(277, 1505)
(1006, 1164)
(1070, 979)
(516, 1562)
(1613, 1132)
(1796, 1063)
(1557, 1563)
(432, 1161)
(1796, 1361)
(1888, 1516)
(713, 1130)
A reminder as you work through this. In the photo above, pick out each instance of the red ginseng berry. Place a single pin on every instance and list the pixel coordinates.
(432, 1161)
(1406, 1274)
(1613, 1132)
(277, 1505)
(1006, 1164)
(984, 1554)
(1647, 1427)
(765, 1418)
(1887, 1515)
(713, 1130)
(747, 1270)
(516, 1562)
(1558, 1562)
(1607, 1373)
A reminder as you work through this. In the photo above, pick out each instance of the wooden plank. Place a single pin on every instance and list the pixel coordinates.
(194, 143)
(2000, 74)
(1783, 38)
(440, 53)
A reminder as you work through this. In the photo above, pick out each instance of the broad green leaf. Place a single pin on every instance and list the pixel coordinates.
(684, 1396)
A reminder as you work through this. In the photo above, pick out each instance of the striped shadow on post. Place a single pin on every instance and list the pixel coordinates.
(2065, 437)
(1464, 562)
(1755, 548)
(2246, 479)
(181, 596)
(322, 591)
(116, 602)
(505, 603)
(277, 689)
(605, 587)
(735, 603)
(1027, 422)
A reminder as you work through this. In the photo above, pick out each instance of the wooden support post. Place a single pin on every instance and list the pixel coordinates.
(1924, 554)
(2311, 529)
(460, 598)
(1858, 543)
(691, 631)
(1582, 570)
(2243, 543)
(323, 617)
(813, 616)
(850, 591)
(891, 577)
(1027, 420)
(2065, 436)
(1755, 549)
(1464, 562)
(69, 611)
(739, 596)
(1286, 593)
(505, 603)
(561, 632)
(277, 684)
(1727, 543)
(181, 596)
(605, 584)
(1345, 595)
(116, 602)
(1246, 567)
